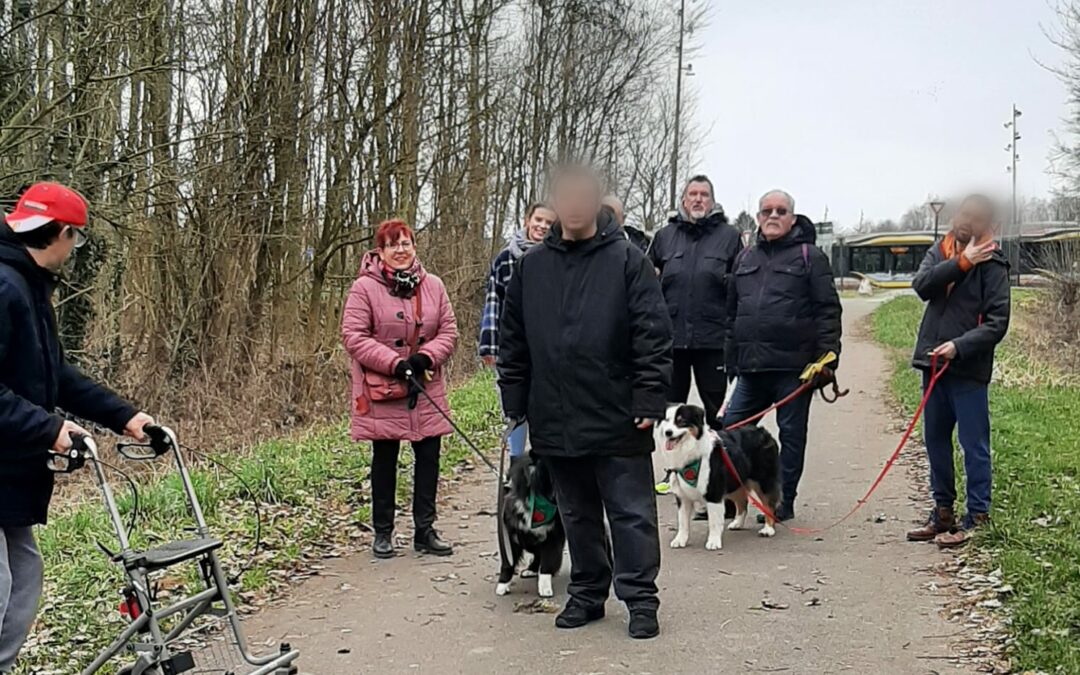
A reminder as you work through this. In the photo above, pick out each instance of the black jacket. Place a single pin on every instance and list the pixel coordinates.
(973, 313)
(34, 380)
(584, 345)
(784, 306)
(637, 237)
(695, 260)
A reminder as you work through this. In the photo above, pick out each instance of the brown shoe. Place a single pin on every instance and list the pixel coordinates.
(942, 520)
(962, 536)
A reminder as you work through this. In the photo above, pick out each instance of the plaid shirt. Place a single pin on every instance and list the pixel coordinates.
(502, 268)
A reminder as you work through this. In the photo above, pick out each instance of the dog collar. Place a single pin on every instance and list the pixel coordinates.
(690, 472)
(541, 510)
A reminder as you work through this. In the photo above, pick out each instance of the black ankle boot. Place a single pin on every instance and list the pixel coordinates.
(430, 542)
(383, 546)
(643, 624)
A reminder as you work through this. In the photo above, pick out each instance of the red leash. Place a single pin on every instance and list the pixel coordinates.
(935, 375)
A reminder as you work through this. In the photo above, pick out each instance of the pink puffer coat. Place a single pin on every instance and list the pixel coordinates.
(376, 327)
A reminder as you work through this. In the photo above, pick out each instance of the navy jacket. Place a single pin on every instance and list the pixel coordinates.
(584, 346)
(970, 308)
(35, 379)
(695, 260)
(783, 304)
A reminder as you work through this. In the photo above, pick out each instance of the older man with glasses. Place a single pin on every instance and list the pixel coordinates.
(784, 313)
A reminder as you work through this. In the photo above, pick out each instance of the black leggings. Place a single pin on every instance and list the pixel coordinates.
(384, 469)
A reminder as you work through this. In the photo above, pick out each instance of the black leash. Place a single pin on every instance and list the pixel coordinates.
(465, 437)
(500, 471)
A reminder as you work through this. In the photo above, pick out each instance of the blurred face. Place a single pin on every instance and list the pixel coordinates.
(399, 255)
(698, 200)
(974, 220)
(577, 202)
(538, 224)
(775, 217)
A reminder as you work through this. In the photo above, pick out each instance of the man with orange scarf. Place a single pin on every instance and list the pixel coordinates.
(965, 282)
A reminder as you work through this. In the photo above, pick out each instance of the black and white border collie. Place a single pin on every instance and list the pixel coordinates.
(690, 452)
(532, 525)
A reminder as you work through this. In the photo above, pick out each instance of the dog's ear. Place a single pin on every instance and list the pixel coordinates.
(691, 417)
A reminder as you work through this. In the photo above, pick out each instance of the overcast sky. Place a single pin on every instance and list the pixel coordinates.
(870, 105)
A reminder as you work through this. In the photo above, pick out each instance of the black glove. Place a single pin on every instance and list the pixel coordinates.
(420, 363)
(402, 370)
(824, 378)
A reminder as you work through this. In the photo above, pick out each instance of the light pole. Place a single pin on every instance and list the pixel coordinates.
(1012, 148)
(936, 206)
(678, 104)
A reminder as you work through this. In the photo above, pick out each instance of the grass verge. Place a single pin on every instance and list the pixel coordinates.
(1035, 531)
(312, 491)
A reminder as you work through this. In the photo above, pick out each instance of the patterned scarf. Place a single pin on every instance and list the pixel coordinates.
(403, 283)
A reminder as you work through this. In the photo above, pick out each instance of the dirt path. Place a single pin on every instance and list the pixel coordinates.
(853, 594)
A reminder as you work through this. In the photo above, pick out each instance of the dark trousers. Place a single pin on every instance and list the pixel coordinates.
(755, 392)
(708, 368)
(384, 470)
(963, 405)
(586, 487)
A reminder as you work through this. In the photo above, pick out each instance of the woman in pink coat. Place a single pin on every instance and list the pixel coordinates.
(398, 327)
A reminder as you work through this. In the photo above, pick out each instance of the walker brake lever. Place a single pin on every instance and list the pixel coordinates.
(72, 460)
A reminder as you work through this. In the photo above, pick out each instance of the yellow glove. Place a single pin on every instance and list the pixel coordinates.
(815, 368)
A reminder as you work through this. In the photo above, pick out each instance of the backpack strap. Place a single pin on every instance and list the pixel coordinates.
(806, 255)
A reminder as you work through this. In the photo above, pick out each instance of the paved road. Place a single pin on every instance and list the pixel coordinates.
(853, 595)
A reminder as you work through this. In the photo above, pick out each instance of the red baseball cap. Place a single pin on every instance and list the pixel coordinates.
(43, 203)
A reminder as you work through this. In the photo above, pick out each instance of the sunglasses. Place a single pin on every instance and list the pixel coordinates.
(780, 211)
(78, 235)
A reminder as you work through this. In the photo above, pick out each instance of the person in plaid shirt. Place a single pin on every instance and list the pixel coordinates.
(538, 220)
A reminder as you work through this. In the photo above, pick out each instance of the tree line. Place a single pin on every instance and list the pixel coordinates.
(237, 155)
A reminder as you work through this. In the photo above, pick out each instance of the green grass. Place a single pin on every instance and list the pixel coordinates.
(313, 487)
(1035, 531)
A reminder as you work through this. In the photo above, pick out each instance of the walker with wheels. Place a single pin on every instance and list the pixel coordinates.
(145, 638)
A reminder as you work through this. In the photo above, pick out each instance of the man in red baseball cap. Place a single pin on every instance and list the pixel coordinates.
(36, 240)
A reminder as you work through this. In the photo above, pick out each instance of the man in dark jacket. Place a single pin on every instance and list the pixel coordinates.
(694, 254)
(965, 282)
(584, 356)
(785, 314)
(35, 379)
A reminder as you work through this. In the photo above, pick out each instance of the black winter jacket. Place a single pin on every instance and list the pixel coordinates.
(34, 380)
(695, 261)
(783, 302)
(974, 313)
(584, 345)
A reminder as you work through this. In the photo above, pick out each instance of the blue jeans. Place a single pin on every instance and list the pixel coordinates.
(517, 437)
(517, 440)
(963, 404)
(755, 392)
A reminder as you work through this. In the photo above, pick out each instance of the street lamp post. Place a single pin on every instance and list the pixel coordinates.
(1017, 229)
(936, 206)
(678, 104)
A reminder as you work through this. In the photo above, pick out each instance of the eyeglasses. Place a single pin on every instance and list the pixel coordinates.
(78, 235)
(780, 211)
(403, 245)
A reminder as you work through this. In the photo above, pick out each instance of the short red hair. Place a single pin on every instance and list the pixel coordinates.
(391, 231)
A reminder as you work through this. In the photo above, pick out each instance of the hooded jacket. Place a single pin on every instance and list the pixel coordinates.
(695, 260)
(35, 379)
(376, 328)
(970, 308)
(585, 345)
(783, 303)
